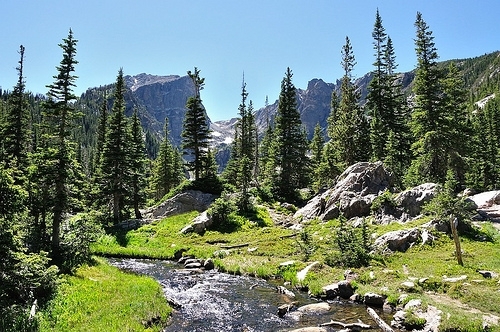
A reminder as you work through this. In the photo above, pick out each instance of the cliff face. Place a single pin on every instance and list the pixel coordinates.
(162, 97)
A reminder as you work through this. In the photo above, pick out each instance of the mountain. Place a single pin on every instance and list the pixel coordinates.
(158, 97)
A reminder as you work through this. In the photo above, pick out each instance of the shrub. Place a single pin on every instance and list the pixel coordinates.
(223, 212)
(353, 251)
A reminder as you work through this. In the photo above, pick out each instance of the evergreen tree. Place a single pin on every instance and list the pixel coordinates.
(438, 114)
(484, 173)
(290, 161)
(241, 168)
(59, 114)
(167, 167)
(266, 158)
(115, 163)
(316, 148)
(350, 130)
(378, 93)
(16, 130)
(137, 157)
(196, 132)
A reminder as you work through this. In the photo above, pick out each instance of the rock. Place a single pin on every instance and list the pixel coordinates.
(487, 274)
(408, 285)
(183, 202)
(397, 240)
(314, 308)
(372, 299)
(187, 229)
(196, 265)
(183, 259)
(191, 261)
(285, 308)
(415, 303)
(349, 275)
(455, 279)
(412, 200)
(345, 289)
(331, 291)
(202, 222)
(283, 290)
(208, 264)
(352, 195)
(356, 298)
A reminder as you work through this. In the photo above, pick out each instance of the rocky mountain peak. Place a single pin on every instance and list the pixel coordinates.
(143, 79)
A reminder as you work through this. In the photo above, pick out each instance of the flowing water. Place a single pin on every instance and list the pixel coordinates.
(213, 301)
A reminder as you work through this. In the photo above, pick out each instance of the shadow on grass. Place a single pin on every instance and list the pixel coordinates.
(120, 235)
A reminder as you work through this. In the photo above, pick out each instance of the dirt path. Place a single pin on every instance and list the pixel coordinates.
(443, 299)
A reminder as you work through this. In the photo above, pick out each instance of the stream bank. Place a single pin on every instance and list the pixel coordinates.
(214, 301)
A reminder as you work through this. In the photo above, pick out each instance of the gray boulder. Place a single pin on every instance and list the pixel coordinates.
(190, 200)
(412, 200)
(352, 195)
(397, 240)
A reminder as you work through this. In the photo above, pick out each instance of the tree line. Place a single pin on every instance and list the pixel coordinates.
(56, 196)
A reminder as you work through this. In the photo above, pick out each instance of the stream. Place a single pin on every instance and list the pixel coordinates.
(214, 301)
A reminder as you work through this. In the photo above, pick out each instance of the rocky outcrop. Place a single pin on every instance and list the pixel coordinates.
(412, 200)
(352, 195)
(488, 207)
(189, 200)
(199, 225)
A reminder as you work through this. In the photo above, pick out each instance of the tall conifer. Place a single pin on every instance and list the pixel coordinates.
(196, 132)
(291, 163)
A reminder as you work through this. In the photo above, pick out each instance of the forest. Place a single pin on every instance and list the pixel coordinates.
(70, 171)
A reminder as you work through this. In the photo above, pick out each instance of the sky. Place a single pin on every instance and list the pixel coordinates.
(227, 39)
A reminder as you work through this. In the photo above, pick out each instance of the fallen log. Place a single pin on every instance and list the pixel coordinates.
(352, 326)
(235, 246)
(383, 325)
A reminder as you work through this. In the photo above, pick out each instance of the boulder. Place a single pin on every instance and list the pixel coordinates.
(314, 308)
(412, 200)
(372, 299)
(208, 264)
(345, 289)
(352, 195)
(184, 202)
(397, 240)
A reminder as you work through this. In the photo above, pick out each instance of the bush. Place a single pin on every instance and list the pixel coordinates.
(79, 232)
(223, 212)
(352, 247)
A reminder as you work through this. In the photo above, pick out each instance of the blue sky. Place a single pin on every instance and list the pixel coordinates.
(225, 38)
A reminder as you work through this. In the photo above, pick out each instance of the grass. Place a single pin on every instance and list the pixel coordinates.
(273, 245)
(103, 298)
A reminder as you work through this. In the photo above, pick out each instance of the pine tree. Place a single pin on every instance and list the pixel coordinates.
(115, 166)
(196, 132)
(167, 167)
(291, 162)
(59, 115)
(377, 93)
(350, 130)
(137, 158)
(241, 167)
(316, 148)
(16, 131)
(434, 122)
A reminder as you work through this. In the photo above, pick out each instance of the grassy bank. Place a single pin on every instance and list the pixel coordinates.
(103, 298)
(265, 246)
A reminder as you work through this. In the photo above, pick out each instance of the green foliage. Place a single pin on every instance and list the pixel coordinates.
(79, 232)
(196, 130)
(291, 165)
(306, 244)
(223, 212)
(384, 201)
(352, 246)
